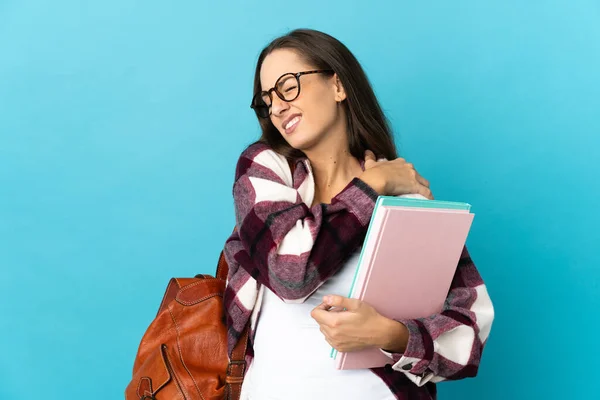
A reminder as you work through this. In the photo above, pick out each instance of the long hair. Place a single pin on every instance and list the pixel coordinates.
(368, 128)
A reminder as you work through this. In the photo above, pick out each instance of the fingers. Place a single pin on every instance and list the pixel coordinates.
(328, 312)
(370, 160)
(323, 306)
(407, 181)
(333, 313)
(417, 176)
(342, 302)
(325, 331)
(424, 191)
(422, 180)
(421, 184)
(322, 316)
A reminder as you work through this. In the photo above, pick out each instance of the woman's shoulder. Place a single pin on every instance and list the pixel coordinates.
(257, 149)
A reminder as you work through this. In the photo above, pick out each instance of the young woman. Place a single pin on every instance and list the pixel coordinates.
(298, 236)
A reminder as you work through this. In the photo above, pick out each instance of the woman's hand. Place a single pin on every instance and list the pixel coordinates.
(394, 178)
(352, 325)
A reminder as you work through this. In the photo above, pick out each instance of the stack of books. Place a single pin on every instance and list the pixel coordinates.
(407, 263)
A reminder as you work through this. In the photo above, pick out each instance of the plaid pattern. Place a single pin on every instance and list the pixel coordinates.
(291, 247)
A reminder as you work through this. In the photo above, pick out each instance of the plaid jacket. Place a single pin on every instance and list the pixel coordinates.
(285, 244)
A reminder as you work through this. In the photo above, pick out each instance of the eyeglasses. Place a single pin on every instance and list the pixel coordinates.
(287, 88)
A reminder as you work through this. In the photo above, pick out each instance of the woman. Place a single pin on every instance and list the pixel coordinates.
(298, 235)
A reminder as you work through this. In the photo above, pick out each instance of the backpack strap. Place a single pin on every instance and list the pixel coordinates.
(222, 267)
(237, 368)
(237, 362)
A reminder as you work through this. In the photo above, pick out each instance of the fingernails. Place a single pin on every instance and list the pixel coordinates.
(327, 299)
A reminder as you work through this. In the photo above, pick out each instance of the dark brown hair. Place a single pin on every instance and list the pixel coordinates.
(368, 129)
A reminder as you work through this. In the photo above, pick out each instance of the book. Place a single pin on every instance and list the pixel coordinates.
(407, 263)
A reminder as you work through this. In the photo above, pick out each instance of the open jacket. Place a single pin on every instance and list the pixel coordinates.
(284, 243)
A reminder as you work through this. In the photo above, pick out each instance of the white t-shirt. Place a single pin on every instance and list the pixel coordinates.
(291, 356)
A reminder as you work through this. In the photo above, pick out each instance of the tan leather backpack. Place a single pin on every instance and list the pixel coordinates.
(183, 353)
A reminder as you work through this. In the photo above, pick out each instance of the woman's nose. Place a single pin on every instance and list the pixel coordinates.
(278, 106)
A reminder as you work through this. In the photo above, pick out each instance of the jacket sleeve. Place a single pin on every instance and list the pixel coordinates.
(449, 345)
(282, 240)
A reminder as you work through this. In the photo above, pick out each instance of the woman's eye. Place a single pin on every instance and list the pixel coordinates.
(290, 89)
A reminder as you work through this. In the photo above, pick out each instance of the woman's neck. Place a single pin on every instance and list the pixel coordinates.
(333, 169)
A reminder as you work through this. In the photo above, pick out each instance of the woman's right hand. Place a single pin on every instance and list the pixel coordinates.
(394, 178)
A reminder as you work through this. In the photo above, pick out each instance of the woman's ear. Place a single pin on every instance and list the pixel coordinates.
(340, 92)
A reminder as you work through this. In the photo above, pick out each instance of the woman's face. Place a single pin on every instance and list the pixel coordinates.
(315, 113)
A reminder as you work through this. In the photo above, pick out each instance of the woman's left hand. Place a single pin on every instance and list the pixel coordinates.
(352, 325)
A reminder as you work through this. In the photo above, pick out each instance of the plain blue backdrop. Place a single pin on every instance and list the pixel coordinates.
(120, 125)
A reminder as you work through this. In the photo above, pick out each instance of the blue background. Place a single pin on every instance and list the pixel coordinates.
(120, 125)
